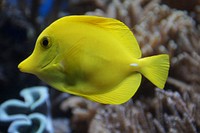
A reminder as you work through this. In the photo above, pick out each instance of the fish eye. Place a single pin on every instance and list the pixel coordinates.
(45, 43)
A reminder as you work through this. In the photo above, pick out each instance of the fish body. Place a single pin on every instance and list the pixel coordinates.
(94, 57)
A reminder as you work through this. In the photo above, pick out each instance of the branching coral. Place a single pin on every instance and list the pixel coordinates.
(167, 112)
(82, 112)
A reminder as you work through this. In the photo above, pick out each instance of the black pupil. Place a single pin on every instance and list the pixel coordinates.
(45, 42)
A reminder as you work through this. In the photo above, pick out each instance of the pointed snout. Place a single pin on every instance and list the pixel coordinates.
(27, 65)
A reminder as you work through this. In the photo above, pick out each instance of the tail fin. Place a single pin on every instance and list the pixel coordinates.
(155, 68)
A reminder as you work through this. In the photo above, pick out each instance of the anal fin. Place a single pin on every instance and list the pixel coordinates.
(121, 93)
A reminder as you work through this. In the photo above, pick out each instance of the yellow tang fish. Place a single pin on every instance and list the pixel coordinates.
(94, 57)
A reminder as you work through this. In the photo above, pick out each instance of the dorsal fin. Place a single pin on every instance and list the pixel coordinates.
(115, 27)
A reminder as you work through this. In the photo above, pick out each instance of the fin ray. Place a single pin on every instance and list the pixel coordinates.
(155, 68)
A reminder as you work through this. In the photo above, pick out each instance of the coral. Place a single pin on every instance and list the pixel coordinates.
(82, 112)
(166, 112)
(188, 5)
(14, 113)
(61, 125)
(35, 122)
